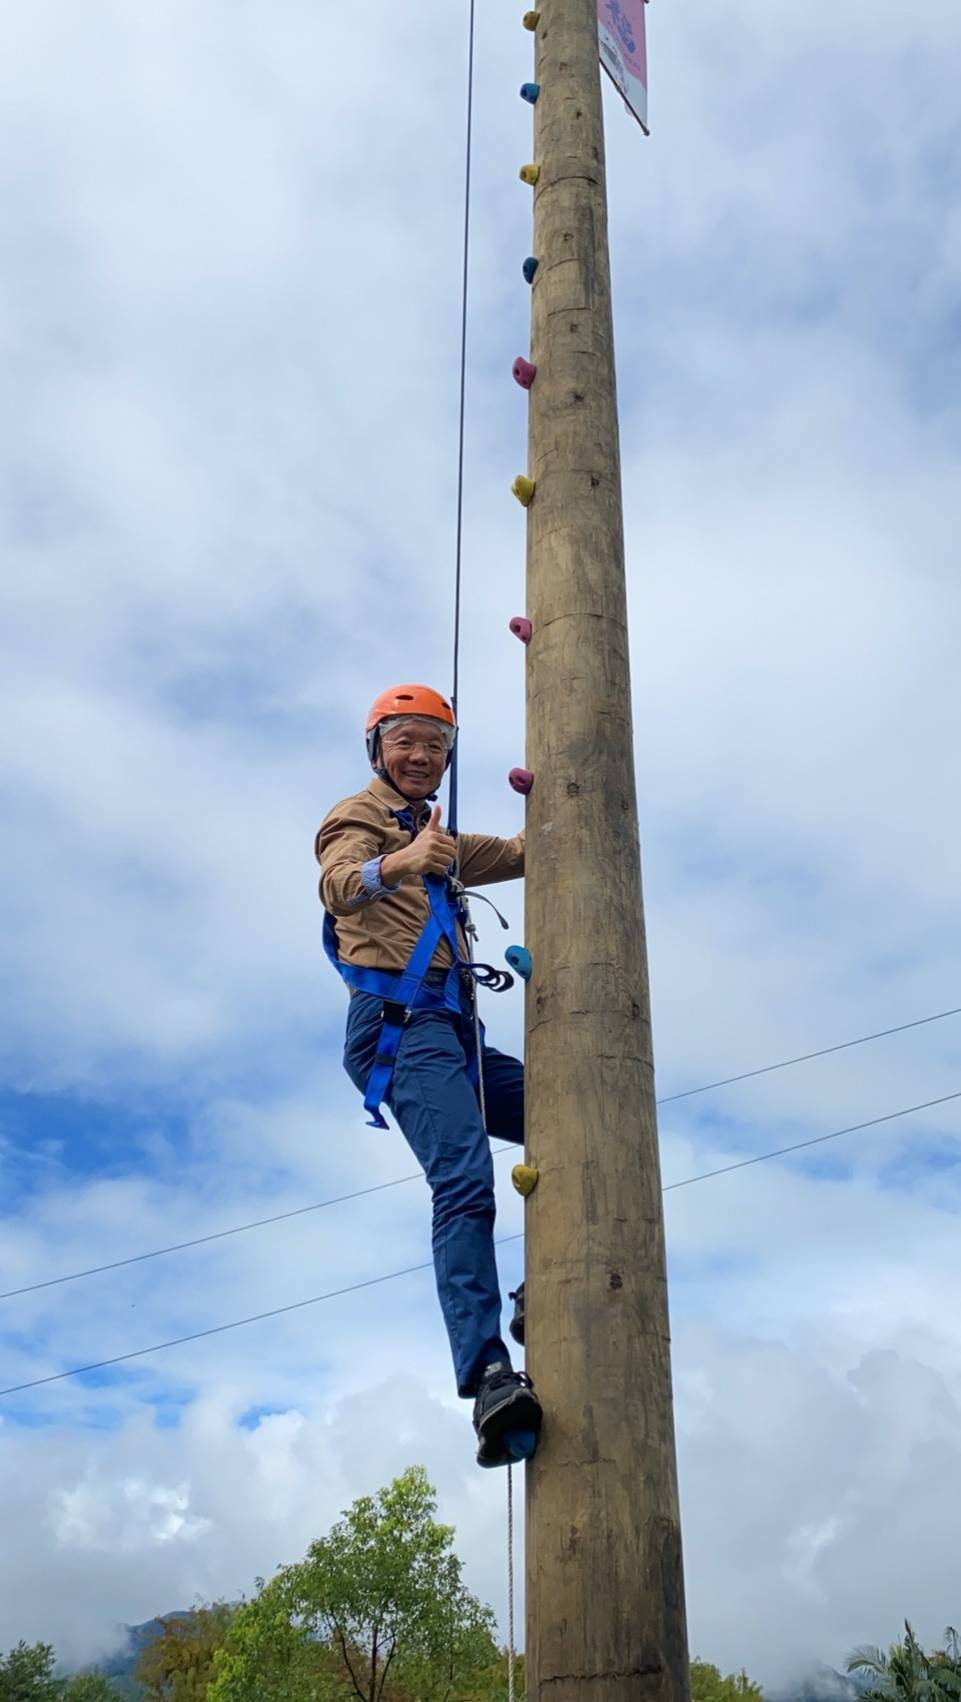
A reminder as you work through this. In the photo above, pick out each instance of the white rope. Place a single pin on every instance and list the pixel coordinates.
(510, 1584)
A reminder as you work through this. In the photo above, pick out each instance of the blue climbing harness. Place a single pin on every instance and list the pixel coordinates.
(405, 992)
(410, 990)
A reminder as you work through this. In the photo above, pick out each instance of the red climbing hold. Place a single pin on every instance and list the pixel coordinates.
(521, 779)
(522, 629)
(524, 372)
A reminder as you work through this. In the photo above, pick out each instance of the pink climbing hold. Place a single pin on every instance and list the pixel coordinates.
(524, 372)
(522, 629)
(521, 779)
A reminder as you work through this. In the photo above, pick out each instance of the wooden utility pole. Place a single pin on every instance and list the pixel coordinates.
(605, 1592)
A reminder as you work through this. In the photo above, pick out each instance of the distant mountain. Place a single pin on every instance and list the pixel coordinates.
(820, 1684)
(121, 1665)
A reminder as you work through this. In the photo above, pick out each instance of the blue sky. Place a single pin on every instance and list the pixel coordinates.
(229, 332)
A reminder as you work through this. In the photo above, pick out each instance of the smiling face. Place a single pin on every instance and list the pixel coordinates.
(413, 750)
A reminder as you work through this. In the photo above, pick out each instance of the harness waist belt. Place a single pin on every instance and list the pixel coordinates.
(418, 987)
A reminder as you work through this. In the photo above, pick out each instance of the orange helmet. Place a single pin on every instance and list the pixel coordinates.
(407, 700)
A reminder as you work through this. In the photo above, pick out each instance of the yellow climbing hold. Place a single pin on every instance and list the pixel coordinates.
(525, 1178)
(523, 489)
(530, 174)
(531, 20)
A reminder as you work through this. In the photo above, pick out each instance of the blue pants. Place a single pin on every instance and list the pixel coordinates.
(436, 1105)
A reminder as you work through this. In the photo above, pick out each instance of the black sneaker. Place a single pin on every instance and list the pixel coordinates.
(507, 1416)
(517, 1322)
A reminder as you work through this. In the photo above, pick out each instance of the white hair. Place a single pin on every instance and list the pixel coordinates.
(398, 720)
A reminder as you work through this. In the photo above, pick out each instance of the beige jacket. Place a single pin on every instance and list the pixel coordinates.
(379, 927)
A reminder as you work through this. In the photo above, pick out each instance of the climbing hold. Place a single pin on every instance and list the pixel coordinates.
(530, 92)
(529, 268)
(529, 174)
(524, 372)
(522, 628)
(531, 20)
(525, 1178)
(523, 489)
(521, 779)
(519, 959)
(521, 1444)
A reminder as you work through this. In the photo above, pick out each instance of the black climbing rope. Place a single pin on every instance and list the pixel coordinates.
(458, 549)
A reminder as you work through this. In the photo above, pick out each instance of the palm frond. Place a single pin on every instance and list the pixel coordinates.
(867, 1657)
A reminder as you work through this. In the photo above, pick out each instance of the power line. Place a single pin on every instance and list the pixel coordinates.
(391, 1276)
(417, 1176)
(218, 1235)
(806, 1057)
(238, 1323)
(815, 1140)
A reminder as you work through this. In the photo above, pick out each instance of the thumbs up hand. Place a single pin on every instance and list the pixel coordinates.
(431, 853)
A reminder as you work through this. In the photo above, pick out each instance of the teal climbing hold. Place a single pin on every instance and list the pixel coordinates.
(521, 1444)
(520, 961)
(530, 92)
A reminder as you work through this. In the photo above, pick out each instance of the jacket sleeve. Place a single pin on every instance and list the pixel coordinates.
(349, 851)
(484, 860)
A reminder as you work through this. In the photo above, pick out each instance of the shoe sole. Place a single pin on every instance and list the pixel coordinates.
(519, 1412)
(519, 1446)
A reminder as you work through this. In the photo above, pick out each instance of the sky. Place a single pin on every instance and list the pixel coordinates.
(229, 321)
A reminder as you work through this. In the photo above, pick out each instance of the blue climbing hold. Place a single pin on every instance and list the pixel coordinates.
(530, 92)
(529, 268)
(520, 1444)
(520, 961)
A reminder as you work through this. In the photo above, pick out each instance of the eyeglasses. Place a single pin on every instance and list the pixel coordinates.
(404, 743)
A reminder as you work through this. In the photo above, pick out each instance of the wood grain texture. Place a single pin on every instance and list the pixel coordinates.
(605, 1593)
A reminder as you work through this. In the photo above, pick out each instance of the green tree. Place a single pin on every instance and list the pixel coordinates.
(89, 1687)
(377, 1609)
(492, 1685)
(906, 1673)
(271, 1655)
(26, 1674)
(708, 1685)
(179, 1664)
(385, 1586)
(946, 1667)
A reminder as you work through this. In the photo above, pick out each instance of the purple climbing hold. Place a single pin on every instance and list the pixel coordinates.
(522, 629)
(521, 779)
(524, 372)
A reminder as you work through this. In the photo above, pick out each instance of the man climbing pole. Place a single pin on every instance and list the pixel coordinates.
(391, 884)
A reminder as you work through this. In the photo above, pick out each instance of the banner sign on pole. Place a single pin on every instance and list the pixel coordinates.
(623, 44)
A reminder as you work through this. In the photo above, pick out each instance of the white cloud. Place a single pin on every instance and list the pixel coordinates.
(124, 1517)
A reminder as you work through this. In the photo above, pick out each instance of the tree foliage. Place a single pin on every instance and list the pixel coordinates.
(269, 1654)
(491, 1684)
(709, 1685)
(89, 1687)
(27, 1675)
(377, 1609)
(946, 1666)
(178, 1665)
(908, 1674)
